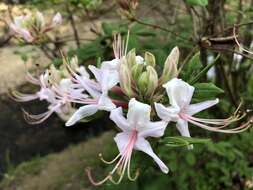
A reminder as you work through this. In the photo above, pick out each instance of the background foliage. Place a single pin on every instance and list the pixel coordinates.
(203, 31)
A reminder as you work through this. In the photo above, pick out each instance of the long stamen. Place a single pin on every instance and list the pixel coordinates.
(122, 170)
(129, 173)
(220, 122)
(32, 79)
(234, 130)
(119, 46)
(108, 177)
(127, 40)
(36, 119)
(39, 118)
(219, 128)
(224, 122)
(109, 162)
(121, 166)
(88, 171)
(20, 97)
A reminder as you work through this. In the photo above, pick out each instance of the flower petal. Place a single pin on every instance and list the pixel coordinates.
(182, 127)
(117, 117)
(111, 65)
(139, 59)
(144, 146)
(65, 84)
(83, 72)
(96, 72)
(81, 113)
(179, 92)
(138, 113)
(105, 103)
(109, 79)
(122, 140)
(88, 86)
(167, 114)
(106, 78)
(153, 129)
(198, 107)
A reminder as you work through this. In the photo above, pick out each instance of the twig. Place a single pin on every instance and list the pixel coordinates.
(230, 93)
(45, 49)
(134, 19)
(240, 11)
(234, 25)
(229, 50)
(73, 24)
(239, 45)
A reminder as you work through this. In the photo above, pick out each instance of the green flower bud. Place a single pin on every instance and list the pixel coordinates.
(143, 83)
(170, 66)
(149, 59)
(136, 71)
(131, 58)
(125, 79)
(152, 81)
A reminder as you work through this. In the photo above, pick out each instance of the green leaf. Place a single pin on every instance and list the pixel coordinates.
(190, 159)
(204, 91)
(107, 28)
(197, 2)
(192, 68)
(204, 71)
(179, 141)
(142, 31)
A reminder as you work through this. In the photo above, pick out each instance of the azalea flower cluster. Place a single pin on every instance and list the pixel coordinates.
(141, 103)
(32, 27)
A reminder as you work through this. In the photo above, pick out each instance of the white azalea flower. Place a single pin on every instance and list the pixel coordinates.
(31, 27)
(19, 28)
(58, 95)
(181, 111)
(106, 78)
(135, 128)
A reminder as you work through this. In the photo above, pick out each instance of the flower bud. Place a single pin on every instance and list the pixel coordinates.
(131, 58)
(152, 81)
(125, 79)
(143, 83)
(54, 74)
(39, 20)
(26, 35)
(127, 5)
(136, 70)
(170, 66)
(74, 62)
(149, 59)
(57, 20)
